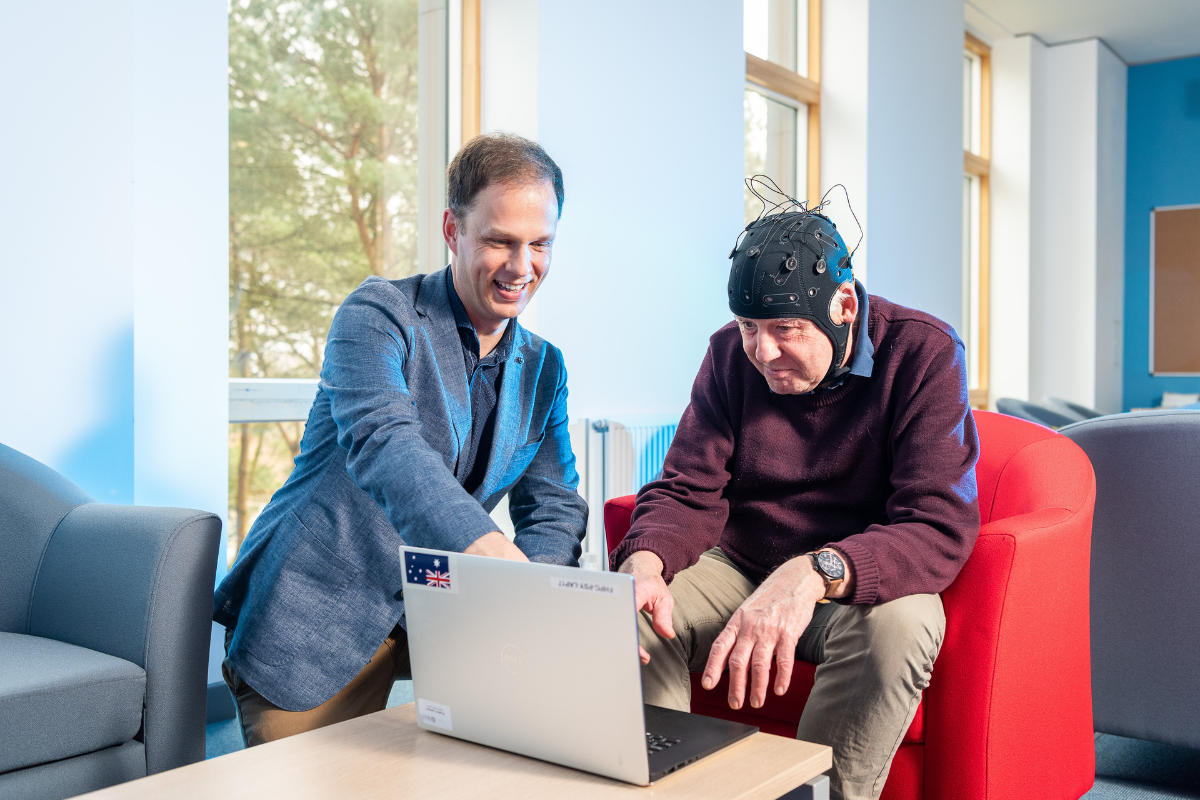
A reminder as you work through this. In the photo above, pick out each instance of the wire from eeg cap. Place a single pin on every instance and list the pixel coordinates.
(846, 192)
(771, 187)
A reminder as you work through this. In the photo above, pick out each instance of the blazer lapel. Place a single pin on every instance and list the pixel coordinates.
(433, 304)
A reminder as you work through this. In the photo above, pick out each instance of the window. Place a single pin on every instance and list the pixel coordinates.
(338, 140)
(977, 150)
(782, 100)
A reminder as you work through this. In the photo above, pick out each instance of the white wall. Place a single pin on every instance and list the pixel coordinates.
(647, 129)
(509, 84)
(1077, 275)
(1110, 229)
(1063, 286)
(891, 131)
(181, 255)
(181, 262)
(66, 196)
(845, 55)
(1016, 115)
(914, 154)
(509, 66)
(114, 197)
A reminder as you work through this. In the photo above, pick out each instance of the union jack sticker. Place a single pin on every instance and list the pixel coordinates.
(429, 569)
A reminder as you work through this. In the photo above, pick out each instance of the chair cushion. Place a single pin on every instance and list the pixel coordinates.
(73, 776)
(58, 700)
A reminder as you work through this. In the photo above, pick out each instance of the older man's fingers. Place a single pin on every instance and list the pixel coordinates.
(739, 666)
(717, 655)
(660, 614)
(760, 671)
(785, 661)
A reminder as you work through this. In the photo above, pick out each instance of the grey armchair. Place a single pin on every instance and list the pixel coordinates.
(104, 630)
(1033, 412)
(1144, 573)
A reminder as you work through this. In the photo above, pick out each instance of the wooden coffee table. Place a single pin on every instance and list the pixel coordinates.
(386, 755)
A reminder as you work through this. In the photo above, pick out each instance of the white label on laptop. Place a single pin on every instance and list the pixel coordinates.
(585, 585)
(434, 714)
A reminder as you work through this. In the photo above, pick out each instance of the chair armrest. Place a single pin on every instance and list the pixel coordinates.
(137, 583)
(617, 515)
(1010, 703)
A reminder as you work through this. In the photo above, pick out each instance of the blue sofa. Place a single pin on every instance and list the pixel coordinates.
(104, 634)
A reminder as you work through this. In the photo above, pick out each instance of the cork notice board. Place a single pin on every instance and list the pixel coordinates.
(1175, 290)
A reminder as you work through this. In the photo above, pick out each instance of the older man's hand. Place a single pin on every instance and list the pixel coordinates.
(650, 593)
(765, 627)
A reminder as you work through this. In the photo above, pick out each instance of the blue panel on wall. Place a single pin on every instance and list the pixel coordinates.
(1163, 169)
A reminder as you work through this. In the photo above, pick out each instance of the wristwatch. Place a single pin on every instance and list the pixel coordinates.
(829, 566)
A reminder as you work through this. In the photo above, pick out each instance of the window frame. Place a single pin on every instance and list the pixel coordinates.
(472, 76)
(796, 88)
(978, 166)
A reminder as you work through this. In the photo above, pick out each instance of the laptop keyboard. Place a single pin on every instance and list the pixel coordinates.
(656, 743)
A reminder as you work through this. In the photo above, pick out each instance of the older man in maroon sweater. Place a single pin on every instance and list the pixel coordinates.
(828, 453)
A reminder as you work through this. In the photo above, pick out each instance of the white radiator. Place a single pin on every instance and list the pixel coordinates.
(616, 457)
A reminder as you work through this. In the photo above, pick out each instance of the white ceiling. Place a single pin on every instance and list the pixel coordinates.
(1138, 30)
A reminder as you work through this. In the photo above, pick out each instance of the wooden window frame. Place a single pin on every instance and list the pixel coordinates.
(807, 91)
(980, 165)
(472, 82)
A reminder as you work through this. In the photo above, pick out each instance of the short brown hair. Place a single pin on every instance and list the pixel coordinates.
(498, 158)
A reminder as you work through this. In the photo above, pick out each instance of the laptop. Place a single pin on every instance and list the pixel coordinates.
(542, 660)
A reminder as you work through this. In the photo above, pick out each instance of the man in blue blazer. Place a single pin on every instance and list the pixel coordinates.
(433, 404)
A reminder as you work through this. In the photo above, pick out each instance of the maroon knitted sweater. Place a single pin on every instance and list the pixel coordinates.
(882, 469)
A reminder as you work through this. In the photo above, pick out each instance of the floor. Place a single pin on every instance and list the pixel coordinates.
(1126, 769)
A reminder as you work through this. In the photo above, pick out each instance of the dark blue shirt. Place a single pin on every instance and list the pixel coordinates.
(483, 387)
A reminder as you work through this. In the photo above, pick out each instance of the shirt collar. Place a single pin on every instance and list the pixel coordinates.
(862, 358)
(862, 351)
(471, 336)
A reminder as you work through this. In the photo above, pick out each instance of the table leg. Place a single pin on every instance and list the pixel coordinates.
(816, 789)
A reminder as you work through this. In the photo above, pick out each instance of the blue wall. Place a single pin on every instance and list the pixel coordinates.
(1163, 169)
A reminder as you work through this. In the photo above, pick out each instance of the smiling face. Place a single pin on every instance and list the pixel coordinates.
(793, 354)
(500, 252)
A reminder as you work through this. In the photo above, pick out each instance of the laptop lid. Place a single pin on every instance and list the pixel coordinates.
(536, 659)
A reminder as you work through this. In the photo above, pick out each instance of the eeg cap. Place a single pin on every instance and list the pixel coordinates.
(791, 265)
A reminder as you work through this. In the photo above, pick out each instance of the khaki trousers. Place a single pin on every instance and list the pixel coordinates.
(262, 721)
(873, 662)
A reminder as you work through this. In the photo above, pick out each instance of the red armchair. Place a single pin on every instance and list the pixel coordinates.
(1008, 712)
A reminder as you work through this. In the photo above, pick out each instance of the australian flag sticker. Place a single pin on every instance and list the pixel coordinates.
(429, 569)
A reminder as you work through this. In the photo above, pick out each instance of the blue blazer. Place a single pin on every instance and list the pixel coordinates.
(317, 585)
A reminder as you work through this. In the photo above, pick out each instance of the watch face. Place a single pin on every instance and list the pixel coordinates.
(831, 565)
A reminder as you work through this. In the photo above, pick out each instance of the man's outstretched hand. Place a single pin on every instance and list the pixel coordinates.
(766, 626)
(650, 593)
(495, 545)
